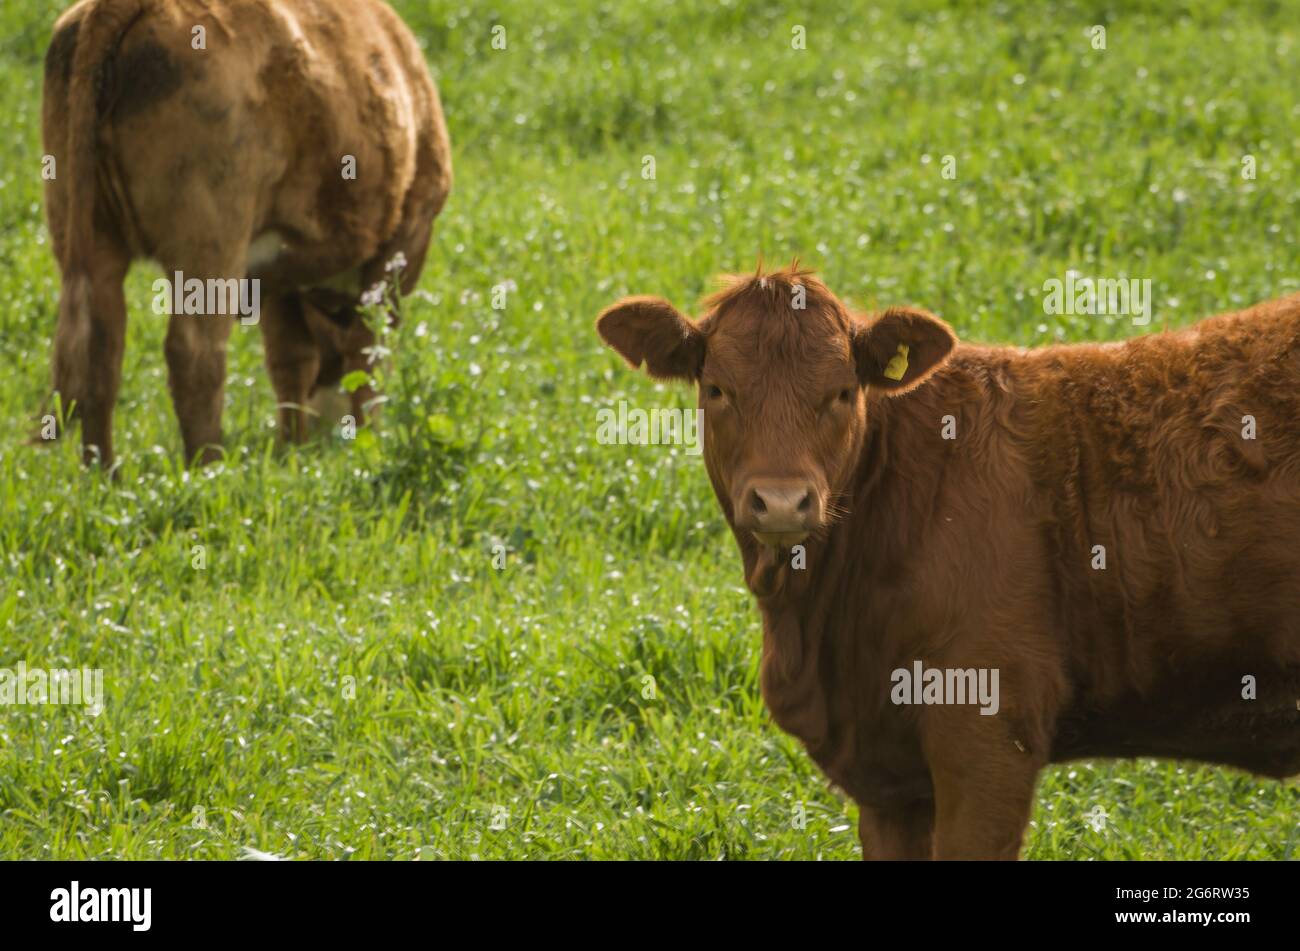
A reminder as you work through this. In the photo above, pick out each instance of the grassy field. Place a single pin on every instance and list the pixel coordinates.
(349, 676)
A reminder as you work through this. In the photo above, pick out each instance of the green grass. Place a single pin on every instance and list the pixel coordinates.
(523, 689)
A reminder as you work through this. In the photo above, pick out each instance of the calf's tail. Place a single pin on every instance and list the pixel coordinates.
(98, 37)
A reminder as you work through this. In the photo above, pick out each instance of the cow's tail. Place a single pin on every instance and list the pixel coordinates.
(99, 33)
(97, 39)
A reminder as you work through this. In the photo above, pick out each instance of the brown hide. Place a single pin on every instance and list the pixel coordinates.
(959, 516)
(213, 137)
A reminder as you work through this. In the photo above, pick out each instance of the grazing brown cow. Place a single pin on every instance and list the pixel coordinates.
(298, 144)
(1109, 532)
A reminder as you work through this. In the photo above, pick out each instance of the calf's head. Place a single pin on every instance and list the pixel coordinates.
(782, 369)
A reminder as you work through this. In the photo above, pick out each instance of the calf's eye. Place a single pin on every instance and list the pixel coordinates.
(846, 396)
(714, 392)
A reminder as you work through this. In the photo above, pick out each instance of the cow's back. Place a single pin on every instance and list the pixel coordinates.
(311, 126)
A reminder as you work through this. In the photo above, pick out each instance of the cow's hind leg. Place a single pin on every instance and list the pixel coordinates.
(89, 342)
(293, 360)
(358, 355)
(345, 343)
(196, 364)
(196, 356)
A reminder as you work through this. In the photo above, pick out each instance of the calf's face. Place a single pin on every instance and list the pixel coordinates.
(782, 369)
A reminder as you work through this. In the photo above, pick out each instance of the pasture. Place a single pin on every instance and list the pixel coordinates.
(316, 653)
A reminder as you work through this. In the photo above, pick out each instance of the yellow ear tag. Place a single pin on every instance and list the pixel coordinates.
(897, 367)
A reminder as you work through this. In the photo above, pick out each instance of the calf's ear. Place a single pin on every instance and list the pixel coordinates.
(900, 349)
(652, 331)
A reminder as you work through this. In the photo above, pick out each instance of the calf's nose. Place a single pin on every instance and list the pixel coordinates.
(781, 507)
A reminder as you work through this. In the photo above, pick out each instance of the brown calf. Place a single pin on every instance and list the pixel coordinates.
(298, 143)
(1113, 530)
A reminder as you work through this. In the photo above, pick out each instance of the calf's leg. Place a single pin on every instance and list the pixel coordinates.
(196, 362)
(983, 793)
(896, 831)
(195, 347)
(344, 340)
(89, 343)
(293, 360)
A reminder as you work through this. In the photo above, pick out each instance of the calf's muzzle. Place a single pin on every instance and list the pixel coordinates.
(779, 511)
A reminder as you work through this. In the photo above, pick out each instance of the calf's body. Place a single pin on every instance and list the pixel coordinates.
(1114, 529)
(299, 143)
